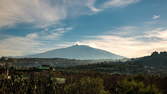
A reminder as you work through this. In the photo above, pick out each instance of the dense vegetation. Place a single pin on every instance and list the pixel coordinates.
(80, 82)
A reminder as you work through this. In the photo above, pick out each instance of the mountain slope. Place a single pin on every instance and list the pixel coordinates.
(82, 52)
(155, 60)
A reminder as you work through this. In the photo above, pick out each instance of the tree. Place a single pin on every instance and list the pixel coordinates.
(154, 53)
(136, 87)
(86, 86)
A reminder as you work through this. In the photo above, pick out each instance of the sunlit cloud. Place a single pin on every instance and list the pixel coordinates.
(130, 46)
(32, 43)
(18, 46)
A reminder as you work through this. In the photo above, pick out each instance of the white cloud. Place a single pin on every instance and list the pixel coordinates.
(17, 46)
(123, 31)
(91, 5)
(130, 46)
(158, 33)
(32, 36)
(53, 34)
(39, 12)
(109, 4)
(32, 43)
(119, 3)
(47, 12)
(156, 17)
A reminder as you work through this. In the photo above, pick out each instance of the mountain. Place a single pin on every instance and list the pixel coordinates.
(81, 52)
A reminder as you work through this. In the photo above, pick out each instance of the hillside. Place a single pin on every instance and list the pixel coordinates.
(153, 64)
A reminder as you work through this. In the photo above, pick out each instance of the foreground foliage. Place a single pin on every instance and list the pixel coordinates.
(136, 87)
(44, 82)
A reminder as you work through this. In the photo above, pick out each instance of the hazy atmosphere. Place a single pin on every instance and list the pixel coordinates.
(130, 28)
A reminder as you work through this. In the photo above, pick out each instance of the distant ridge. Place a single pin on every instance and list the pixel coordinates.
(156, 59)
(82, 52)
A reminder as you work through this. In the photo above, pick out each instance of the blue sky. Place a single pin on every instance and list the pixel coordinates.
(130, 28)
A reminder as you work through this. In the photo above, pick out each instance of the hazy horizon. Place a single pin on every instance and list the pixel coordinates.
(130, 28)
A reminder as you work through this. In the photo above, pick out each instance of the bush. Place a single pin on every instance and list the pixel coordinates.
(136, 87)
(86, 86)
